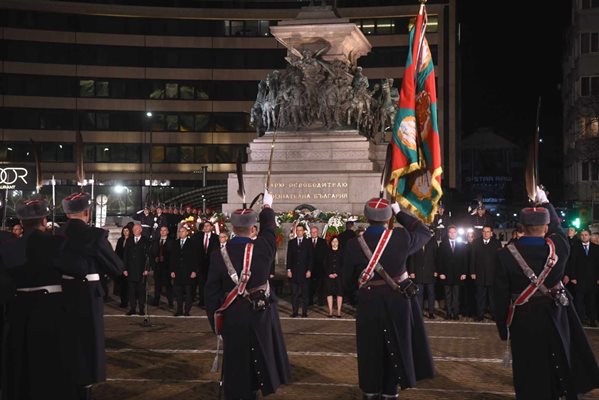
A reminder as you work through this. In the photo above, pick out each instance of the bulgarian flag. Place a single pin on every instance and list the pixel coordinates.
(415, 179)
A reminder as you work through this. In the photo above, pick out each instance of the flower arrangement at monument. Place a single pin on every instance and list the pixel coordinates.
(190, 223)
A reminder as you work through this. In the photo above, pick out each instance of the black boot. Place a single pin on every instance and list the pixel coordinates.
(84, 393)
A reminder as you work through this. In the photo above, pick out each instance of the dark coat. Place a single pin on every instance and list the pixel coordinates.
(345, 237)
(203, 253)
(319, 252)
(585, 268)
(252, 340)
(543, 335)
(184, 261)
(482, 260)
(452, 264)
(121, 243)
(38, 353)
(574, 241)
(422, 262)
(87, 250)
(389, 326)
(137, 258)
(333, 264)
(299, 259)
(158, 262)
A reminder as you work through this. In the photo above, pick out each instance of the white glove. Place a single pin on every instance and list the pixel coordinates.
(395, 208)
(541, 196)
(267, 198)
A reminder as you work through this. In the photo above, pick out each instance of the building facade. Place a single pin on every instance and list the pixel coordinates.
(162, 93)
(580, 94)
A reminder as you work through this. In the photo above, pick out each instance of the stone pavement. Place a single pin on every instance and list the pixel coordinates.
(171, 359)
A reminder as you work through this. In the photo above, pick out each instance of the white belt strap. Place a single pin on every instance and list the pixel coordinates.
(88, 277)
(48, 289)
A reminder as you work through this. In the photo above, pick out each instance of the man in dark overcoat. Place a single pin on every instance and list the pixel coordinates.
(422, 270)
(162, 249)
(584, 274)
(299, 270)
(319, 252)
(254, 356)
(137, 269)
(184, 265)
(483, 257)
(552, 358)
(452, 267)
(206, 242)
(87, 248)
(38, 350)
(392, 344)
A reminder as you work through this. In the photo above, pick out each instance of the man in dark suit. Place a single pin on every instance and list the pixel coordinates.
(299, 270)
(422, 269)
(207, 242)
(391, 340)
(574, 242)
(483, 257)
(254, 352)
(552, 358)
(86, 249)
(162, 248)
(184, 270)
(584, 276)
(452, 264)
(319, 251)
(137, 269)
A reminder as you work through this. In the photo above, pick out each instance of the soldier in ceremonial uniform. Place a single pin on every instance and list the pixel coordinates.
(392, 344)
(146, 219)
(86, 249)
(254, 357)
(38, 358)
(552, 358)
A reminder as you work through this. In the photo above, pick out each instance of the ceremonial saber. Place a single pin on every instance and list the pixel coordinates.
(269, 172)
(531, 173)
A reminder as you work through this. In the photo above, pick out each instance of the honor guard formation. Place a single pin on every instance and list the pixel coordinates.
(53, 298)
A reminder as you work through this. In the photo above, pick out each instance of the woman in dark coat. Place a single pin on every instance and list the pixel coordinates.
(333, 266)
(121, 281)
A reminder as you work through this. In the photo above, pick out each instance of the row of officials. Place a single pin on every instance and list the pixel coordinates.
(54, 343)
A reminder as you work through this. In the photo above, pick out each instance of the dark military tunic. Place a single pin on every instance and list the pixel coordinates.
(38, 361)
(391, 341)
(88, 251)
(255, 357)
(550, 351)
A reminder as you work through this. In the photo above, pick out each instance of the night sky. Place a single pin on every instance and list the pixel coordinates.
(512, 53)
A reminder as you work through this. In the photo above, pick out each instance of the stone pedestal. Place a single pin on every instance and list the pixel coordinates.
(332, 171)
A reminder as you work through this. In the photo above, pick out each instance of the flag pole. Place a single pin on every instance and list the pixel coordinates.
(53, 205)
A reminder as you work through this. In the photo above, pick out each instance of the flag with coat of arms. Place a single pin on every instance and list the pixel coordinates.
(415, 180)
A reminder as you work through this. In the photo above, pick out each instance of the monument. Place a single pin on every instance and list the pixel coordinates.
(323, 116)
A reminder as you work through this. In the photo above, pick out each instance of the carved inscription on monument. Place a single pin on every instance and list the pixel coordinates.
(307, 191)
